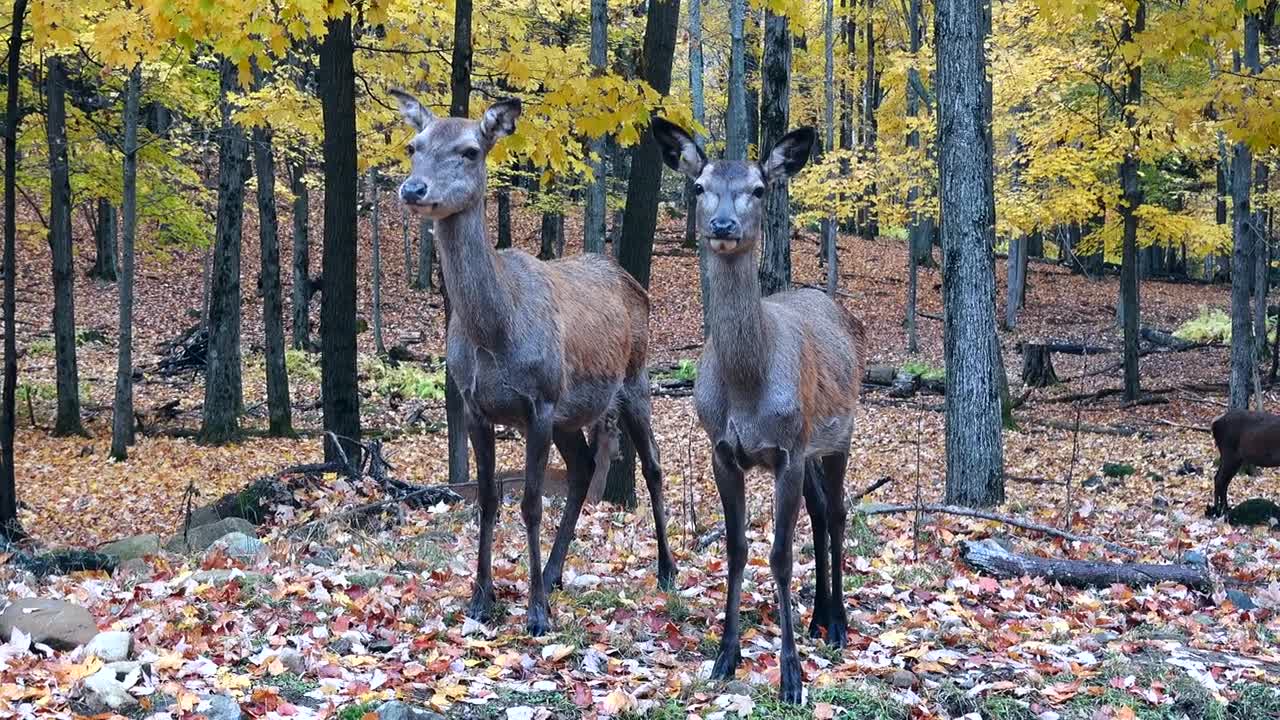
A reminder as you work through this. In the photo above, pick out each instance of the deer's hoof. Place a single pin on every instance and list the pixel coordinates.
(727, 662)
(481, 605)
(815, 625)
(667, 575)
(792, 691)
(837, 628)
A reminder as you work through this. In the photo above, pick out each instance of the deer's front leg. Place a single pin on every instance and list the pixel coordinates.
(537, 447)
(788, 488)
(489, 498)
(730, 481)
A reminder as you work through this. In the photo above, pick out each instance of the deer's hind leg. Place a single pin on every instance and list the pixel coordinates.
(635, 412)
(815, 503)
(833, 469)
(1221, 481)
(488, 497)
(580, 464)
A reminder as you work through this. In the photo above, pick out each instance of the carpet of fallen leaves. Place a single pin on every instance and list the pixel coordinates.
(375, 611)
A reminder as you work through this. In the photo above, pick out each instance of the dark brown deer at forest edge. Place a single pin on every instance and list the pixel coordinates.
(1243, 438)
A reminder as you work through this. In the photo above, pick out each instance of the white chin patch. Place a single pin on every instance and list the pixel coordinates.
(722, 246)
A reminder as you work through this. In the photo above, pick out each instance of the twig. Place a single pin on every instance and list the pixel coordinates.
(1119, 430)
(1075, 452)
(995, 517)
(872, 488)
(1180, 426)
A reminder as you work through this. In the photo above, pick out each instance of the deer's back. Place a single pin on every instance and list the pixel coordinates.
(1252, 436)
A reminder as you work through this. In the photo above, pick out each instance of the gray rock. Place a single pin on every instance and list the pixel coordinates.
(1195, 557)
(1093, 482)
(223, 576)
(396, 710)
(111, 646)
(132, 572)
(60, 625)
(240, 547)
(221, 707)
(293, 661)
(738, 687)
(1160, 502)
(108, 690)
(131, 548)
(903, 679)
(199, 538)
(1241, 600)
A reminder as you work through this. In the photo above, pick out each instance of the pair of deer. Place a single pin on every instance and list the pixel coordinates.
(550, 347)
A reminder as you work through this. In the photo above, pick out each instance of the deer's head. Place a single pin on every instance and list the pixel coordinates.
(731, 192)
(447, 170)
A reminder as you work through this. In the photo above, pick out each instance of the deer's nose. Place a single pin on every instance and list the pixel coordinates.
(413, 190)
(723, 227)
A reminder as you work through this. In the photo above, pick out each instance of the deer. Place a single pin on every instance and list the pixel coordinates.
(1243, 437)
(777, 387)
(546, 348)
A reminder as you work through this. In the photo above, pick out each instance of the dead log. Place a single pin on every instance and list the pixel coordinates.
(1017, 522)
(1067, 348)
(990, 557)
(1037, 366)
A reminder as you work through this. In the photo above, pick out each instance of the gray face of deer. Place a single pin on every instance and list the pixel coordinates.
(731, 192)
(447, 168)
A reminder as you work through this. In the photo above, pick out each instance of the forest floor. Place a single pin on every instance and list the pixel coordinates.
(376, 611)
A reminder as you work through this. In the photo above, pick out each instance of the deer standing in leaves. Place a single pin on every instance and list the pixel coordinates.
(777, 386)
(545, 347)
(1243, 437)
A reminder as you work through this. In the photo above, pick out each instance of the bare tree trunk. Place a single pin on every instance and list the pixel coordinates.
(504, 217)
(915, 230)
(775, 255)
(459, 106)
(752, 91)
(1262, 264)
(593, 219)
(10, 528)
(1132, 198)
(426, 255)
(871, 103)
(408, 245)
(105, 266)
(735, 118)
(223, 400)
(302, 289)
(1017, 279)
(122, 410)
(829, 120)
(376, 240)
(1243, 258)
(279, 412)
(67, 420)
(975, 463)
(339, 382)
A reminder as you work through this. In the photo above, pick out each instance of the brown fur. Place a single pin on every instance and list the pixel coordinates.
(590, 295)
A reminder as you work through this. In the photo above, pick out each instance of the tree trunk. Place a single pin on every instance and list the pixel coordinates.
(871, 102)
(375, 235)
(67, 421)
(280, 422)
(975, 463)
(104, 241)
(752, 88)
(1017, 281)
(1131, 200)
(735, 118)
(339, 385)
(302, 289)
(593, 219)
(775, 255)
(223, 400)
(829, 117)
(1037, 366)
(504, 219)
(552, 236)
(640, 218)
(426, 255)
(122, 423)
(408, 244)
(460, 67)
(10, 529)
(1243, 257)
(990, 557)
(1261, 264)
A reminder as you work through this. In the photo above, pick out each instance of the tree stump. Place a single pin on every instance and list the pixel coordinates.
(1037, 366)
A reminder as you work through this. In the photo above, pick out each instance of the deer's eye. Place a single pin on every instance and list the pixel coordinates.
(470, 153)
(697, 188)
(408, 150)
(758, 192)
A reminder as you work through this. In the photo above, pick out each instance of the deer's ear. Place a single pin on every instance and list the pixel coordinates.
(789, 155)
(413, 112)
(679, 151)
(499, 120)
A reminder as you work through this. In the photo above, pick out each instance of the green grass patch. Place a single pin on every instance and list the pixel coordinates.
(44, 347)
(684, 371)
(1213, 326)
(406, 380)
(356, 711)
(602, 600)
(1117, 470)
(558, 704)
(865, 701)
(1254, 701)
(924, 371)
(860, 539)
(302, 365)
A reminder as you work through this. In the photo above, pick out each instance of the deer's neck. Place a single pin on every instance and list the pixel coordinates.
(478, 298)
(736, 317)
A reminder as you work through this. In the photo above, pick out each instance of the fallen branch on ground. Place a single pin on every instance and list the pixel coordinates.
(990, 557)
(1118, 430)
(995, 517)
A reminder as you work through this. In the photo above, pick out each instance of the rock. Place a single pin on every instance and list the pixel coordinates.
(111, 646)
(1189, 468)
(341, 646)
(293, 661)
(60, 625)
(131, 548)
(108, 689)
(903, 679)
(738, 687)
(198, 539)
(1195, 557)
(585, 581)
(132, 572)
(220, 707)
(1241, 600)
(239, 547)
(223, 576)
(1093, 482)
(256, 502)
(1253, 512)
(1160, 502)
(1105, 636)
(396, 710)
